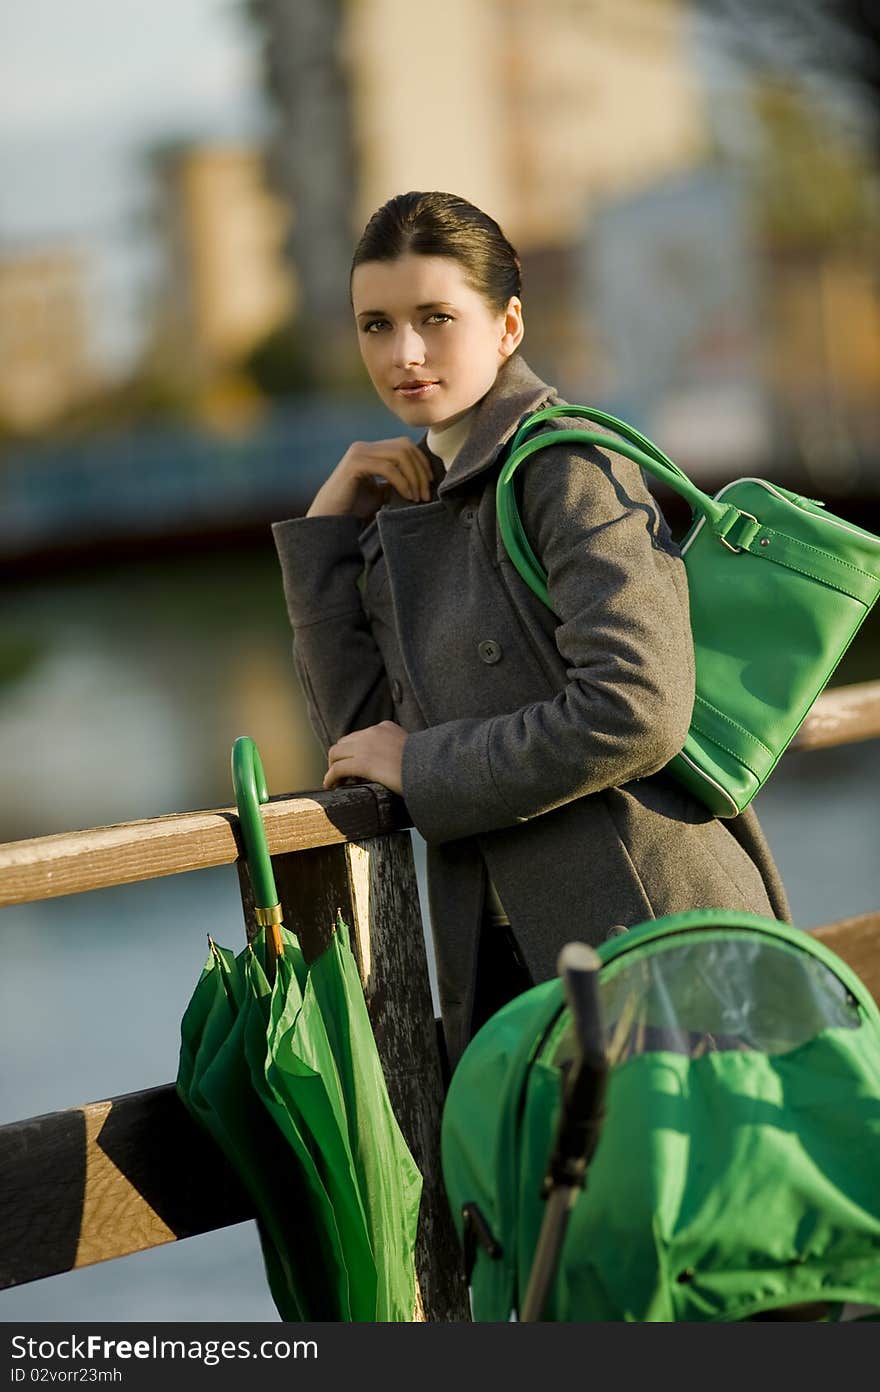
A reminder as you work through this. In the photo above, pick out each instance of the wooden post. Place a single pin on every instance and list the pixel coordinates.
(394, 971)
(373, 884)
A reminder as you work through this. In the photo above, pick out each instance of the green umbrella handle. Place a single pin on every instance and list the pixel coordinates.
(249, 783)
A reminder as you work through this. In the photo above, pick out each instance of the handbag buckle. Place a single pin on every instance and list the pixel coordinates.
(741, 515)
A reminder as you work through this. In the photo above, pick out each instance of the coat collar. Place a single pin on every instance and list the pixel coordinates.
(515, 391)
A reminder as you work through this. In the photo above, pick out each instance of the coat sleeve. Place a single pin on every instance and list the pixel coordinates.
(338, 663)
(619, 588)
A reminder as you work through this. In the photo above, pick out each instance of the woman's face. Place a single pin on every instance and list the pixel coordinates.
(419, 321)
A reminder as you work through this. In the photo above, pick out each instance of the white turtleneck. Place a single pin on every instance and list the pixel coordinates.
(447, 442)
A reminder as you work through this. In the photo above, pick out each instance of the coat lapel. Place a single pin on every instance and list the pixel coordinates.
(515, 391)
(435, 570)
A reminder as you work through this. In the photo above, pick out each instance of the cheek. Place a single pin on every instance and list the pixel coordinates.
(371, 355)
(479, 353)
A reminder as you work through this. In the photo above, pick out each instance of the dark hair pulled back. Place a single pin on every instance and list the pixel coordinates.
(442, 224)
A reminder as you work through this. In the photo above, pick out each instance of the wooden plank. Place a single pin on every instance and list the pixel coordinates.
(311, 885)
(46, 867)
(124, 1175)
(114, 1177)
(107, 1179)
(857, 941)
(842, 715)
(74, 862)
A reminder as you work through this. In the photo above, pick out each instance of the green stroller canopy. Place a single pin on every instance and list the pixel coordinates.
(738, 1166)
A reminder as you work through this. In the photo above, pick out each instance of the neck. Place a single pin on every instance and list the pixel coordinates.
(446, 440)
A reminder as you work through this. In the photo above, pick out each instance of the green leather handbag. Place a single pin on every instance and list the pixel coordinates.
(778, 589)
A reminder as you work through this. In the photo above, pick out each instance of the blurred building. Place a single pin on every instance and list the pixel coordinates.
(528, 107)
(226, 283)
(45, 362)
(532, 109)
(672, 286)
(313, 161)
(573, 122)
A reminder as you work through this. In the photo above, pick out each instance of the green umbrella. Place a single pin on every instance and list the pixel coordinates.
(279, 1063)
(215, 1082)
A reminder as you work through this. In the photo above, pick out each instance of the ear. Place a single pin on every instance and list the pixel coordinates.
(513, 329)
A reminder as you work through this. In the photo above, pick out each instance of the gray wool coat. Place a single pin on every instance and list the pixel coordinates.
(536, 743)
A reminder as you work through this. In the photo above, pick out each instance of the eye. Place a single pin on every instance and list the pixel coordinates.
(440, 315)
(373, 323)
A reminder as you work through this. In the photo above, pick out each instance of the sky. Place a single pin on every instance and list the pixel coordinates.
(85, 87)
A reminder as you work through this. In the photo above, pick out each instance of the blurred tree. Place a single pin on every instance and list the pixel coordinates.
(832, 47)
(802, 122)
(284, 363)
(312, 167)
(862, 19)
(148, 396)
(814, 191)
(279, 364)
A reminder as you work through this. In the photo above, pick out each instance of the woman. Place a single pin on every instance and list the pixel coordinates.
(529, 749)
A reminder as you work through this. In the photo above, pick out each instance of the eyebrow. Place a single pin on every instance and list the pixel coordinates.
(433, 304)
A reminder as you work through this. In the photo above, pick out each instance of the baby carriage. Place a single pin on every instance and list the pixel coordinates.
(736, 1170)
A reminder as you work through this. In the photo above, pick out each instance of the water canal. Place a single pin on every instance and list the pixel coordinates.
(121, 692)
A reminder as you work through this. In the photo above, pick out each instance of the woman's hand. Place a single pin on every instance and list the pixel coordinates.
(374, 754)
(360, 482)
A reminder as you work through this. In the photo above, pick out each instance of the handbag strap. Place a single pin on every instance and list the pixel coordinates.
(622, 428)
(736, 529)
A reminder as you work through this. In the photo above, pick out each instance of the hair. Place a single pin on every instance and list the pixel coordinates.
(442, 224)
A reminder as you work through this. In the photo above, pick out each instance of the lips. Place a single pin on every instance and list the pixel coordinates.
(416, 386)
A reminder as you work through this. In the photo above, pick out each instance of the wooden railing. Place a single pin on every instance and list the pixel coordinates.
(115, 1177)
(129, 1173)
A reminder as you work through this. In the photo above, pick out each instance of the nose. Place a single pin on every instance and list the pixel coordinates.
(409, 348)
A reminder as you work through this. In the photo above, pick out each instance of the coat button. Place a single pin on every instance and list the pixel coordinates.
(489, 650)
(396, 692)
(467, 515)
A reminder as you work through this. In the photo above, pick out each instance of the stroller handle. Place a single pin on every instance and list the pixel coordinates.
(579, 1122)
(582, 1104)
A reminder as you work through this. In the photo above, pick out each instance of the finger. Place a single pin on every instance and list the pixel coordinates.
(381, 461)
(411, 461)
(390, 468)
(425, 473)
(408, 467)
(346, 781)
(423, 469)
(341, 767)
